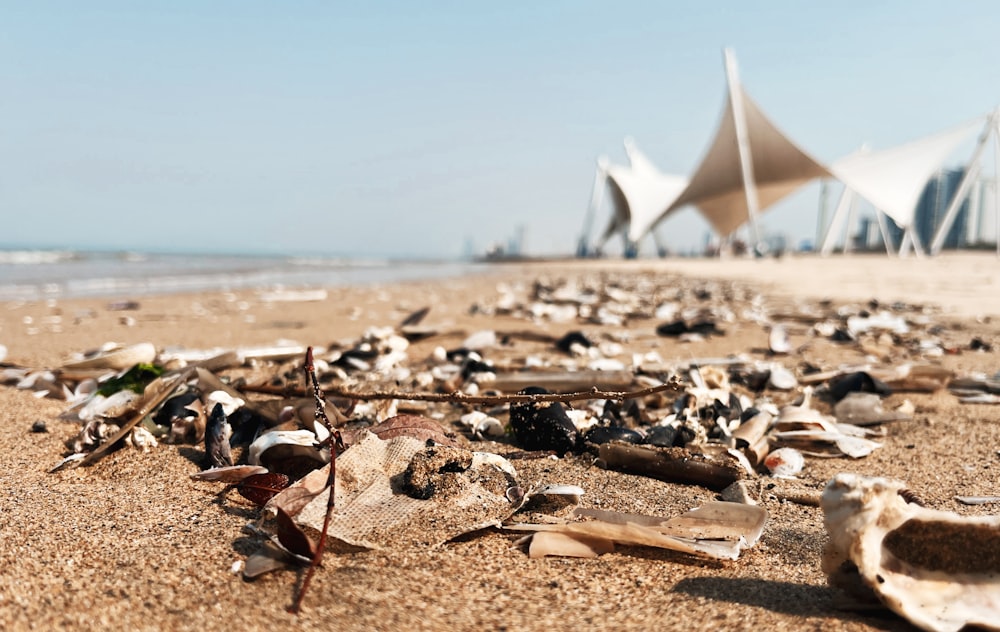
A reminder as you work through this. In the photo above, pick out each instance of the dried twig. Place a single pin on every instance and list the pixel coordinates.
(462, 398)
(335, 443)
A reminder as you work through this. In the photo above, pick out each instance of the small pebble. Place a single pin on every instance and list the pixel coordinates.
(39, 426)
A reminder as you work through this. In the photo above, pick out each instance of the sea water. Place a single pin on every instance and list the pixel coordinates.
(42, 274)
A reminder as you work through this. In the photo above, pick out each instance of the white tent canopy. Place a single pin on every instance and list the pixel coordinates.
(639, 194)
(893, 179)
(750, 165)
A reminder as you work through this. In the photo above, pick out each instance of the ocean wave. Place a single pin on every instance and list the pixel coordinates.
(338, 262)
(35, 257)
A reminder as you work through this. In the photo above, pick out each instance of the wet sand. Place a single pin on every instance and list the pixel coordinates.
(132, 543)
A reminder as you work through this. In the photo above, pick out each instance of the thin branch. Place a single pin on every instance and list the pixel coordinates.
(336, 443)
(461, 398)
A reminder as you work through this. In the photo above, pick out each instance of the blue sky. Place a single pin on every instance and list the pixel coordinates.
(411, 129)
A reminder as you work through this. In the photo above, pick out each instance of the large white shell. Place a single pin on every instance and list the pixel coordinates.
(939, 570)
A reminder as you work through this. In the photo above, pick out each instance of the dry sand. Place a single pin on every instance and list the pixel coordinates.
(132, 543)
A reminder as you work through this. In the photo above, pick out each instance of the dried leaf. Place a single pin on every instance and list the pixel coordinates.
(302, 492)
(269, 557)
(231, 474)
(412, 426)
(261, 488)
(293, 538)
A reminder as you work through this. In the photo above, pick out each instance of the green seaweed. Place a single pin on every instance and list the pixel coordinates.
(135, 379)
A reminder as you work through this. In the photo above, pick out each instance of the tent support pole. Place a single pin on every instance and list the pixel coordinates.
(996, 177)
(971, 170)
(743, 145)
(661, 250)
(852, 210)
(918, 248)
(904, 244)
(833, 229)
(884, 229)
(596, 198)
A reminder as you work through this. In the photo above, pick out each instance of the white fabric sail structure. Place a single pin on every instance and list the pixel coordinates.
(750, 165)
(639, 193)
(893, 179)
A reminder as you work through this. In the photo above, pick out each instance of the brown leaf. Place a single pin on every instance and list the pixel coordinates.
(412, 426)
(260, 488)
(293, 538)
(270, 557)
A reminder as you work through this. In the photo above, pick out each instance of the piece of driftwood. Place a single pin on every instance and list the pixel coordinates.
(673, 465)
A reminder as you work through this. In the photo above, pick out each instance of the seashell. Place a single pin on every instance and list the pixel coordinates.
(883, 321)
(481, 340)
(141, 439)
(116, 357)
(115, 405)
(662, 436)
(785, 463)
(865, 409)
(781, 378)
(229, 403)
(285, 444)
(542, 426)
(606, 364)
(859, 381)
(605, 434)
(828, 442)
(937, 569)
(572, 341)
(217, 434)
(778, 341)
(482, 424)
(583, 419)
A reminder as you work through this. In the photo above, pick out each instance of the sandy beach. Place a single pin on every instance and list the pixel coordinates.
(131, 542)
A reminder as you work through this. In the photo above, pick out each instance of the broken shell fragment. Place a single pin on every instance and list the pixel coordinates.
(865, 409)
(716, 530)
(937, 569)
(116, 357)
(281, 450)
(231, 474)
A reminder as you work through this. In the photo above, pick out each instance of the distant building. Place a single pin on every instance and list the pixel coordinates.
(934, 202)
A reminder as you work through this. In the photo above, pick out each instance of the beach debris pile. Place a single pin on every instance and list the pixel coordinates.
(411, 431)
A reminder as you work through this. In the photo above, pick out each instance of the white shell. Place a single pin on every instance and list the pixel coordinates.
(785, 463)
(777, 340)
(268, 440)
(781, 378)
(937, 569)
